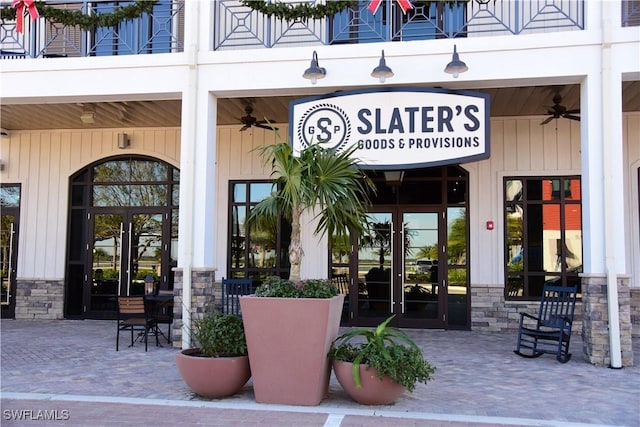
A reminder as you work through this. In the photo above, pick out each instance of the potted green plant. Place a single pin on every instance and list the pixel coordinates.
(376, 366)
(219, 366)
(290, 324)
(276, 287)
(417, 297)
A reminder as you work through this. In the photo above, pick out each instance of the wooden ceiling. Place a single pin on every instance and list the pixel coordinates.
(515, 101)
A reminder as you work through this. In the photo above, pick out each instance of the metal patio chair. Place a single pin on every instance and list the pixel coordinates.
(134, 316)
(162, 311)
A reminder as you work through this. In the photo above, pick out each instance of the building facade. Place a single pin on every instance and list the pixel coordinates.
(129, 151)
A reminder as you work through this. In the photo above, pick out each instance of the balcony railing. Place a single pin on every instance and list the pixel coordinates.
(159, 31)
(238, 27)
(631, 13)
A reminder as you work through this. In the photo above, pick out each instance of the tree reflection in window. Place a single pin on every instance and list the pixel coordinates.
(543, 234)
(10, 196)
(260, 251)
(132, 182)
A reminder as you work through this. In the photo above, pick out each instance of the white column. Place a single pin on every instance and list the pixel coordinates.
(613, 167)
(204, 213)
(592, 172)
(188, 139)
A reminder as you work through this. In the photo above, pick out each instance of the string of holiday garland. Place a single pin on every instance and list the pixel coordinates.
(291, 12)
(86, 22)
(284, 11)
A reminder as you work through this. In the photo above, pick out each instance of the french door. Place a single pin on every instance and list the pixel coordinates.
(123, 228)
(8, 261)
(412, 263)
(9, 226)
(400, 270)
(126, 246)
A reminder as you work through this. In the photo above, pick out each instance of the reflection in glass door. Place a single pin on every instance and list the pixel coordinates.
(398, 270)
(8, 252)
(422, 291)
(412, 262)
(9, 218)
(375, 254)
(127, 248)
(145, 251)
(107, 261)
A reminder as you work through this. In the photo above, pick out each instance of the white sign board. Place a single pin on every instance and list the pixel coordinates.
(396, 127)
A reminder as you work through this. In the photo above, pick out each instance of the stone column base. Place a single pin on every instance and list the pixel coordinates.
(595, 324)
(39, 299)
(635, 311)
(202, 298)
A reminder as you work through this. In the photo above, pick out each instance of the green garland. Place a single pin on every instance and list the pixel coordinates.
(284, 11)
(289, 12)
(86, 22)
(303, 11)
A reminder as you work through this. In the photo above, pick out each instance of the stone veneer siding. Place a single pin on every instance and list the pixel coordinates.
(490, 312)
(39, 299)
(635, 312)
(203, 298)
(595, 328)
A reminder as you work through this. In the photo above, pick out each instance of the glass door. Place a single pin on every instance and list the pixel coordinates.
(146, 249)
(375, 270)
(8, 258)
(423, 294)
(398, 270)
(9, 219)
(106, 269)
(412, 262)
(127, 247)
(123, 227)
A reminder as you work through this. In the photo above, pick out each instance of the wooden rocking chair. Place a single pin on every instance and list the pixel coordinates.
(551, 332)
(341, 282)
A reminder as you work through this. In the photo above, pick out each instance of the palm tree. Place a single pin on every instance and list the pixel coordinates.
(319, 179)
(378, 238)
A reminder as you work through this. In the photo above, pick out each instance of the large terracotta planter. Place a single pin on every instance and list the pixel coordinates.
(374, 391)
(288, 340)
(213, 377)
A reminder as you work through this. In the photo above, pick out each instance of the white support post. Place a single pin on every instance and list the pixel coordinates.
(187, 166)
(613, 179)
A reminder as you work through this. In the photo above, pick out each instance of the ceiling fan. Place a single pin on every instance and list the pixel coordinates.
(249, 121)
(560, 111)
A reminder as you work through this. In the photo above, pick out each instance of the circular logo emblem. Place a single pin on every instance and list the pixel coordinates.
(324, 124)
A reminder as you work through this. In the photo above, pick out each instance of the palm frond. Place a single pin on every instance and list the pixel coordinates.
(316, 178)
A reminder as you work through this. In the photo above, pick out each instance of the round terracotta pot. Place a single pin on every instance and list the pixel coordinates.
(374, 391)
(213, 377)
